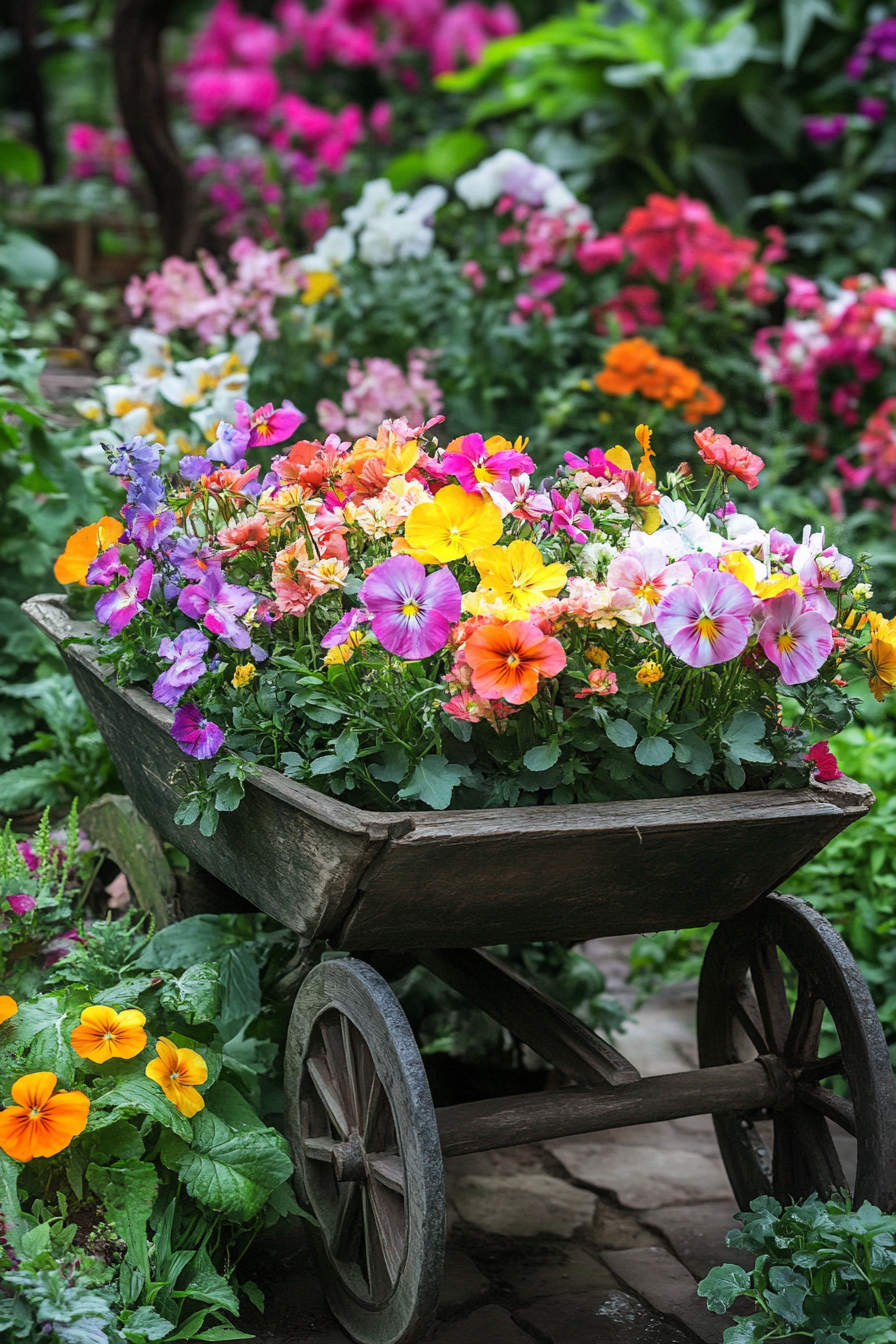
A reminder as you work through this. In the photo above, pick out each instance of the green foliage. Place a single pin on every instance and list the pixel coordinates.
(823, 1272)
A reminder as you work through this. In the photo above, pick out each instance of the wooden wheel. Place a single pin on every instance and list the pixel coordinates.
(744, 1010)
(366, 1148)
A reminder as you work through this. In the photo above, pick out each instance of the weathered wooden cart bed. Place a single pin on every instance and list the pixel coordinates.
(367, 1142)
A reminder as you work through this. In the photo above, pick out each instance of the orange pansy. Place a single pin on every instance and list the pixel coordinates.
(42, 1122)
(83, 547)
(508, 659)
(105, 1034)
(8, 1007)
(178, 1072)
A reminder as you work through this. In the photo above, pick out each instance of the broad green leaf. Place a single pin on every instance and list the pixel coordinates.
(434, 780)
(621, 732)
(326, 765)
(346, 746)
(127, 1191)
(138, 1095)
(223, 1332)
(26, 261)
(543, 757)
(392, 765)
(10, 1171)
(238, 970)
(743, 736)
(36, 1240)
(117, 1141)
(207, 1285)
(199, 938)
(146, 1323)
(32, 1018)
(51, 1051)
(653, 751)
(229, 1172)
(722, 1285)
(197, 994)
(694, 754)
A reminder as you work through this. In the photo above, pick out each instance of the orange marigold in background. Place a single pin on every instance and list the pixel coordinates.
(83, 547)
(42, 1122)
(637, 366)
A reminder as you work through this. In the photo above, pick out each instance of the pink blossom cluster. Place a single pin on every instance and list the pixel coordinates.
(381, 390)
(845, 334)
(94, 152)
(240, 192)
(878, 44)
(188, 295)
(547, 240)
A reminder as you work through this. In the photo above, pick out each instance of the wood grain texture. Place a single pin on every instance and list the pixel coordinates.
(503, 1122)
(114, 824)
(397, 880)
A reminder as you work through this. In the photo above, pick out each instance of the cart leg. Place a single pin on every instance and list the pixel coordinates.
(776, 980)
(363, 1132)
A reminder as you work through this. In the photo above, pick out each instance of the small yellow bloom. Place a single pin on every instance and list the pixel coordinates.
(178, 1072)
(243, 674)
(781, 583)
(645, 466)
(517, 575)
(596, 655)
(340, 653)
(453, 525)
(649, 672)
(320, 284)
(620, 458)
(862, 592)
(741, 567)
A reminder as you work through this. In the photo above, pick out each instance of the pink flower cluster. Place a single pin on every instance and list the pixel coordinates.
(240, 192)
(846, 334)
(877, 44)
(94, 152)
(187, 295)
(380, 390)
(547, 240)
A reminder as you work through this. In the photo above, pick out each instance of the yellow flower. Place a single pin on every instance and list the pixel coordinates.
(781, 583)
(340, 653)
(649, 672)
(517, 575)
(596, 655)
(620, 458)
(320, 283)
(498, 444)
(741, 567)
(243, 674)
(645, 466)
(882, 652)
(453, 525)
(177, 1072)
(105, 1034)
(83, 547)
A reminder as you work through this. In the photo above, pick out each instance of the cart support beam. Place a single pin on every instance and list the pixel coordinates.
(506, 1121)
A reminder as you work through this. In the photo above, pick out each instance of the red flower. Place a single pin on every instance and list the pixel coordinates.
(825, 763)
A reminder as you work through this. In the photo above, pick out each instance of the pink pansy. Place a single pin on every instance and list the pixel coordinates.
(516, 497)
(411, 612)
(825, 763)
(708, 622)
(647, 575)
(475, 464)
(195, 734)
(106, 567)
(218, 605)
(568, 516)
(21, 903)
(796, 640)
(267, 426)
(339, 633)
(119, 607)
(186, 654)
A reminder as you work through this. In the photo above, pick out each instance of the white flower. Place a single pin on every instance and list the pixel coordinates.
(330, 252)
(392, 225)
(512, 172)
(596, 557)
(154, 359)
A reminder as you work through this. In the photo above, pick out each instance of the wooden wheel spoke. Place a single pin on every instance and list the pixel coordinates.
(389, 1217)
(345, 1235)
(352, 1083)
(806, 1159)
(375, 1120)
(379, 1279)
(771, 995)
(319, 1149)
(331, 1033)
(831, 1066)
(388, 1170)
(747, 1014)
(328, 1090)
(827, 1103)
(801, 1045)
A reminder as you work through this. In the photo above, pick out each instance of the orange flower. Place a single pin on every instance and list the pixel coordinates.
(178, 1072)
(8, 1007)
(83, 547)
(705, 402)
(105, 1034)
(42, 1123)
(508, 659)
(637, 366)
(717, 450)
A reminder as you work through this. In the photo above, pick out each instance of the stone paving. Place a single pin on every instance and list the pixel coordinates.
(595, 1239)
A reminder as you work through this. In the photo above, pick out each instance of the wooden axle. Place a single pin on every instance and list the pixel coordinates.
(506, 1121)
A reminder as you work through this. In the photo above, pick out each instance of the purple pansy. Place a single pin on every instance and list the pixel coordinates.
(149, 528)
(230, 446)
(218, 605)
(339, 633)
(106, 567)
(568, 516)
(797, 640)
(192, 467)
(411, 611)
(119, 607)
(21, 903)
(186, 656)
(195, 734)
(707, 622)
(193, 558)
(135, 459)
(474, 466)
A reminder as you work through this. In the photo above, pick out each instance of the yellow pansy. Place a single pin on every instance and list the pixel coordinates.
(882, 651)
(517, 575)
(781, 583)
(453, 525)
(740, 566)
(319, 285)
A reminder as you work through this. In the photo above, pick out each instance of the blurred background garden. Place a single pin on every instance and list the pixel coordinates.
(545, 220)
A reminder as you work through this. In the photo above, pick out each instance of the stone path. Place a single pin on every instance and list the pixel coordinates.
(596, 1239)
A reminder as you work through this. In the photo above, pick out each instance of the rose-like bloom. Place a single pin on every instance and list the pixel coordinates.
(507, 660)
(218, 605)
(250, 535)
(469, 707)
(646, 575)
(795, 639)
(178, 1073)
(516, 576)
(882, 653)
(707, 623)
(119, 607)
(825, 762)
(476, 462)
(453, 525)
(149, 528)
(186, 654)
(195, 734)
(411, 612)
(105, 1034)
(600, 682)
(82, 549)
(8, 1007)
(717, 450)
(21, 903)
(42, 1122)
(267, 426)
(568, 516)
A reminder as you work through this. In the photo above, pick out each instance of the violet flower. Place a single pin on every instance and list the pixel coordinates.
(339, 633)
(568, 516)
(231, 444)
(106, 567)
(148, 528)
(196, 735)
(218, 605)
(135, 458)
(21, 903)
(797, 640)
(118, 607)
(825, 130)
(193, 558)
(186, 656)
(411, 611)
(192, 468)
(708, 622)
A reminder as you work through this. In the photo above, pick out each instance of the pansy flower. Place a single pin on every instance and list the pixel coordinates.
(178, 1072)
(119, 607)
(411, 612)
(104, 1034)
(267, 426)
(476, 462)
(218, 605)
(186, 654)
(708, 622)
(797, 640)
(507, 660)
(452, 526)
(42, 1121)
(82, 550)
(196, 735)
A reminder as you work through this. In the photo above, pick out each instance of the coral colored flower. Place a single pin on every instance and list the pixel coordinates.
(195, 734)
(717, 450)
(267, 426)
(105, 1034)
(517, 576)
(42, 1122)
(707, 623)
(8, 1007)
(186, 654)
(453, 525)
(119, 607)
(507, 660)
(469, 707)
(83, 547)
(178, 1073)
(600, 682)
(825, 763)
(21, 903)
(411, 612)
(476, 463)
(250, 535)
(796, 640)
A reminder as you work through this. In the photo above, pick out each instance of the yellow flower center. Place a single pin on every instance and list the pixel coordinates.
(512, 659)
(707, 629)
(410, 609)
(650, 594)
(786, 642)
(35, 1113)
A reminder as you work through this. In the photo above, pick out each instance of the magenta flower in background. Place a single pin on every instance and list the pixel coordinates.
(411, 611)
(795, 640)
(218, 605)
(28, 854)
(595, 464)
(119, 607)
(267, 426)
(825, 130)
(195, 734)
(60, 946)
(106, 567)
(708, 622)
(339, 633)
(875, 109)
(148, 529)
(568, 516)
(474, 466)
(186, 656)
(21, 903)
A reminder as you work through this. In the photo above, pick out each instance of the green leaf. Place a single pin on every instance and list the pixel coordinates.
(653, 751)
(188, 812)
(543, 757)
(799, 19)
(722, 1285)
(146, 1323)
(199, 938)
(694, 754)
(735, 775)
(743, 736)
(117, 1141)
(26, 261)
(36, 1240)
(138, 1095)
(241, 985)
(51, 1051)
(450, 152)
(128, 1191)
(10, 1171)
(229, 794)
(346, 746)
(223, 1332)
(326, 765)
(434, 780)
(230, 1172)
(197, 994)
(392, 765)
(621, 732)
(19, 162)
(207, 1285)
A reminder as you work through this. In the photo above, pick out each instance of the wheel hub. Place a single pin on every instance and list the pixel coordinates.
(350, 1159)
